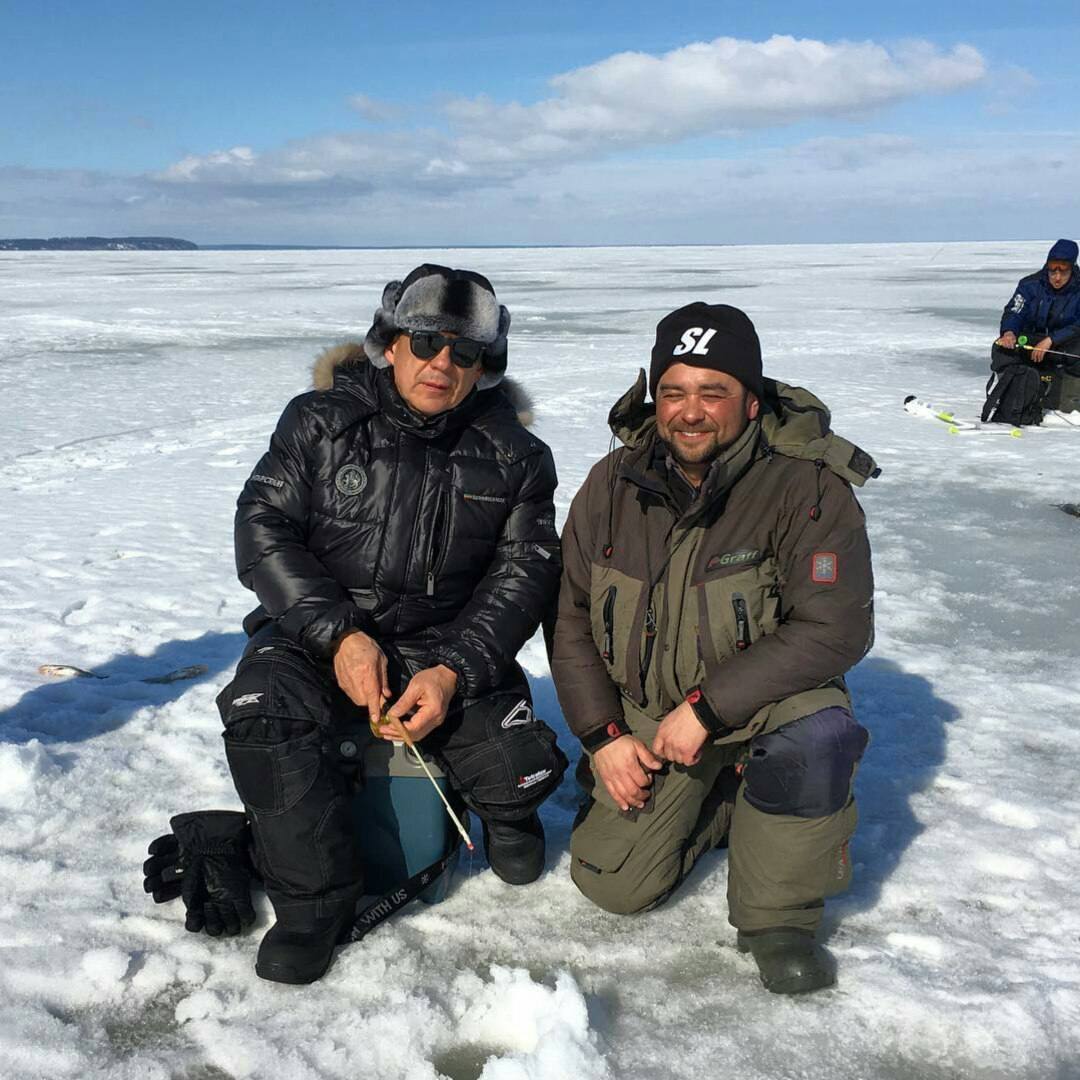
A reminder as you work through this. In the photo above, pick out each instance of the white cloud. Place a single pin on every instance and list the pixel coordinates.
(437, 167)
(707, 88)
(627, 100)
(873, 187)
(490, 172)
(209, 166)
(1012, 91)
(374, 110)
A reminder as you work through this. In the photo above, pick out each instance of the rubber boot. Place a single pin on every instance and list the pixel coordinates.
(515, 849)
(298, 948)
(789, 961)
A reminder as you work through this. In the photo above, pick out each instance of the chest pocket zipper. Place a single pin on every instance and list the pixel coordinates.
(742, 622)
(609, 624)
(650, 643)
(438, 542)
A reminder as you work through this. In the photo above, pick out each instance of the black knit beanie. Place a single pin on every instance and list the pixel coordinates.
(715, 336)
(1063, 251)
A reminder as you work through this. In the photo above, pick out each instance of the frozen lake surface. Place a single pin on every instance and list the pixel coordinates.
(136, 392)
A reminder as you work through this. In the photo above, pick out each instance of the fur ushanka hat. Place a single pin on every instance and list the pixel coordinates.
(438, 298)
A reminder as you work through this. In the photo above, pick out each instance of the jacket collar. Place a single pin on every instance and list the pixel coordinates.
(364, 390)
(393, 406)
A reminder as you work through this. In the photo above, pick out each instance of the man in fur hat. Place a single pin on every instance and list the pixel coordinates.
(400, 536)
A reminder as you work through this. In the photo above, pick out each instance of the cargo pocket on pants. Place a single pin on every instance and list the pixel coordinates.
(272, 779)
(602, 867)
(602, 842)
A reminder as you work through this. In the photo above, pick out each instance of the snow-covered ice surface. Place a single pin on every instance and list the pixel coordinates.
(136, 392)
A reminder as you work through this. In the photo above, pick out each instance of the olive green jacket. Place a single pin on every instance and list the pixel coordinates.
(756, 592)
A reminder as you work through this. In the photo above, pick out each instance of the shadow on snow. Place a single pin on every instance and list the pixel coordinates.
(74, 709)
(907, 724)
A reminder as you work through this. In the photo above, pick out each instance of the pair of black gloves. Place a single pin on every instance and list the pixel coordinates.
(206, 860)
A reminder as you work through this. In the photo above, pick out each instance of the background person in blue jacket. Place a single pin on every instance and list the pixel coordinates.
(1045, 307)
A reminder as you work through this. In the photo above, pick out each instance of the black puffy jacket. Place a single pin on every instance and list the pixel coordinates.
(438, 532)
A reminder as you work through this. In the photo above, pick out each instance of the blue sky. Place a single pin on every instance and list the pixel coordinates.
(545, 123)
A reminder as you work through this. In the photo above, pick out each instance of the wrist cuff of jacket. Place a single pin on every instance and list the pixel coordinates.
(706, 715)
(349, 621)
(455, 667)
(336, 643)
(601, 736)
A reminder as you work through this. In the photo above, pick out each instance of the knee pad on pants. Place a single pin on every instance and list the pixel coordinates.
(501, 760)
(277, 694)
(277, 711)
(804, 768)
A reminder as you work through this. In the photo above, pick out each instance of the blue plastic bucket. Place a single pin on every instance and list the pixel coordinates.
(400, 823)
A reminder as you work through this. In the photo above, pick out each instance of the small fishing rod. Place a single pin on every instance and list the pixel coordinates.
(1022, 343)
(400, 729)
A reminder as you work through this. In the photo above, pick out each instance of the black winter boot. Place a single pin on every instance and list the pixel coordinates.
(298, 948)
(515, 849)
(789, 961)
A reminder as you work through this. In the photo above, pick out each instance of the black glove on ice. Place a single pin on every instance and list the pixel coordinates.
(206, 861)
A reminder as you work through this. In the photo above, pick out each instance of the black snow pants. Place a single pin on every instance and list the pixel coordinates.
(284, 713)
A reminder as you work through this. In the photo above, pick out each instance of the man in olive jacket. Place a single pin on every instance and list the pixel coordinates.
(400, 536)
(716, 586)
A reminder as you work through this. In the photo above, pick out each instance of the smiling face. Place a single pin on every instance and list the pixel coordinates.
(700, 412)
(433, 386)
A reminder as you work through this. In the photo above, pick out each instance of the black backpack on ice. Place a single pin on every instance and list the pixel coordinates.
(1017, 394)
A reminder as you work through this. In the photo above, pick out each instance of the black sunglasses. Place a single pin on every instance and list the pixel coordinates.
(464, 352)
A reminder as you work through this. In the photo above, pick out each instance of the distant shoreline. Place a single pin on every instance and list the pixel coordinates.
(165, 243)
(98, 243)
(423, 247)
(630, 244)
